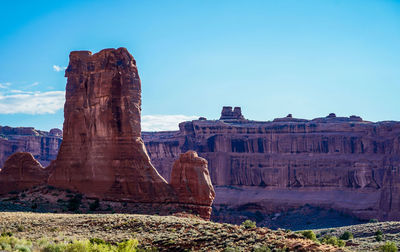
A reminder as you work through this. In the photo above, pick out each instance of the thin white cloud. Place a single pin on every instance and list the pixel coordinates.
(31, 102)
(34, 84)
(5, 85)
(164, 122)
(58, 68)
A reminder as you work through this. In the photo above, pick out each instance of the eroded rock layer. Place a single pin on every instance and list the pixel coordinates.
(42, 144)
(343, 163)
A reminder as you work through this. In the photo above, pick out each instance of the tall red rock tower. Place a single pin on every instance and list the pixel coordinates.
(102, 153)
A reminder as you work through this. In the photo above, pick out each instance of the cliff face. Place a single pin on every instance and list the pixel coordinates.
(43, 145)
(335, 162)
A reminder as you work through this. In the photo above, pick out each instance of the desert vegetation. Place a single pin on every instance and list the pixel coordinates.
(125, 232)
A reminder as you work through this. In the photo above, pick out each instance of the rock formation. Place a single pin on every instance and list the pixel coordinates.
(102, 154)
(43, 145)
(229, 114)
(343, 163)
(21, 171)
(191, 181)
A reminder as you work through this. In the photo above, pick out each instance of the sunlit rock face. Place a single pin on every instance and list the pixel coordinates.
(43, 145)
(343, 163)
(191, 180)
(102, 153)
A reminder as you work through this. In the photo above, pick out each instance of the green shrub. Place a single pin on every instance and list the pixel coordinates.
(373, 221)
(75, 202)
(249, 224)
(97, 241)
(262, 249)
(95, 205)
(379, 232)
(6, 234)
(346, 236)
(92, 245)
(378, 238)
(332, 240)
(309, 235)
(128, 246)
(9, 243)
(388, 247)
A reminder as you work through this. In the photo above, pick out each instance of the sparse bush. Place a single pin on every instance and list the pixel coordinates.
(9, 243)
(20, 228)
(262, 249)
(346, 236)
(92, 245)
(229, 249)
(379, 235)
(249, 224)
(373, 221)
(6, 234)
(75, 202)
(95, 205)
(332, 240)
(388, 247)
(34, 206)
(309, 235)
(97, 241)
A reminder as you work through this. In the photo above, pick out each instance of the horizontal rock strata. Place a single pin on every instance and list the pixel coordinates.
(343, 163)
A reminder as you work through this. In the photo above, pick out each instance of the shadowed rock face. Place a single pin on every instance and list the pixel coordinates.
(343, 163)
(102, 153)
(21, 171)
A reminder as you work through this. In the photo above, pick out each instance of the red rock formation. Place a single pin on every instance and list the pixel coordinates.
(191, 181)
(43, 145)
(343, 163)
(102, 153)
(21, 171)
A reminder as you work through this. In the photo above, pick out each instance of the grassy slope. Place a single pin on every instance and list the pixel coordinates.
(163, 232)
(364, 234)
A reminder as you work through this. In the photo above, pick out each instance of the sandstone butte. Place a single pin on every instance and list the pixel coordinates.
(102, 153)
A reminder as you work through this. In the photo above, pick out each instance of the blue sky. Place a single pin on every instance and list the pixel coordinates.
(308, 58)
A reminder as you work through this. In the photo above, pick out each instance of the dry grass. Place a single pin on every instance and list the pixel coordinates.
(165, 233)
(365, 235)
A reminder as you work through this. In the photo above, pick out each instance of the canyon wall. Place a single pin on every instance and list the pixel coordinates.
(42, 145)
(343, 163)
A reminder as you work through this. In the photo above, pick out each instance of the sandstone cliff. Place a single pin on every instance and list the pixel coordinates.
(343, 163)
(102, 153)
(43, 145)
